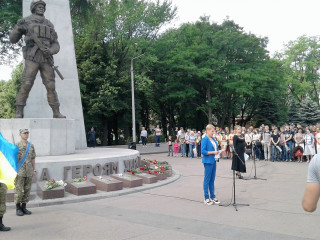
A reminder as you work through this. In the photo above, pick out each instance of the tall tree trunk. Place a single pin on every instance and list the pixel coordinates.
(209, 100)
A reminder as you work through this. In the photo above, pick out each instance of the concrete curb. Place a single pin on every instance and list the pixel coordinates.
(70, 198)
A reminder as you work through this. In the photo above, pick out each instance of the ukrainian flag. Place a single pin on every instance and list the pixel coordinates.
(8, 162)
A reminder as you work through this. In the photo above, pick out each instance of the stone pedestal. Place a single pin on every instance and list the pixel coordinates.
(129, 180)
(168, 173)
(147, 178)
(10, 196)
(80, 188)
(160, 176)
(68, 90)
(50, 136)
(49, 194)
(106, 183)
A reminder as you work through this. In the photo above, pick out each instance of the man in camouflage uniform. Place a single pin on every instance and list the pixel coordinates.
(3, 192)
(41, 43)
(23, 180)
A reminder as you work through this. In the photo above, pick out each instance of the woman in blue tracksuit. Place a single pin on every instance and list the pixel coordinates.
(209, 148)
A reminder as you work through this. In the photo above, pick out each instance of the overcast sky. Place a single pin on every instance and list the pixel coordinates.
(279, 20)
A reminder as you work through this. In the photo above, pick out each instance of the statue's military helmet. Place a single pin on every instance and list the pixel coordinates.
(35, 3)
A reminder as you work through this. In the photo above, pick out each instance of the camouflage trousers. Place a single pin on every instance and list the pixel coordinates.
(22, 190)
(3, 194)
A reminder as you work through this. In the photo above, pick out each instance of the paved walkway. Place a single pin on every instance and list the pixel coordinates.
(176, 211)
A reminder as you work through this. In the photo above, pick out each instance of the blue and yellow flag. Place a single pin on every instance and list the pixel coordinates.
(8, 162)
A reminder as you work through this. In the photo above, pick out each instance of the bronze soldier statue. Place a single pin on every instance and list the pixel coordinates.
(41, 43)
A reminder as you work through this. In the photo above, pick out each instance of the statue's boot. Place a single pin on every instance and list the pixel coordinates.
(56, 112)
(19, 111)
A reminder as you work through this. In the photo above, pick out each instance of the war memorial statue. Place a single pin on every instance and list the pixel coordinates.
(41, 43)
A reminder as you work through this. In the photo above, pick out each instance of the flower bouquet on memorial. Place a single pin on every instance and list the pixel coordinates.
(133, 172)
(51, 184)
(83, 179)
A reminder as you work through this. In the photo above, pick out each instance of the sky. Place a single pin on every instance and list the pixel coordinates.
(279, 20)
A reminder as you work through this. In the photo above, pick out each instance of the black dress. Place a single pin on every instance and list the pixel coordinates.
(239, 148)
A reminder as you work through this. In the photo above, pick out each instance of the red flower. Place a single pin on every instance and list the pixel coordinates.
(142, 169)
(155, 171)
(149, 171)
(53, 181)
(85, 178)
(162, 170)
(132, 173)
(155, 161)
(128, 171)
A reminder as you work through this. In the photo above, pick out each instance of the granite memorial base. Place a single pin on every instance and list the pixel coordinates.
(168, 172)
(147, 178)
(129, 180)
(44, 194)
(80, 188)
(160, 176)
(106, 183)
(10, 196)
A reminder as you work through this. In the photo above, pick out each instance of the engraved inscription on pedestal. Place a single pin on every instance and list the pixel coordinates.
(129, 180)
(80, 188)
(49, 194)
(106, 183)
(147, 178)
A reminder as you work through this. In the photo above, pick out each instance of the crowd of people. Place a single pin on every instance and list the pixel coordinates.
(286, 143)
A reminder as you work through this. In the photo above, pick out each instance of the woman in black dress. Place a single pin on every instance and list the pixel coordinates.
(238, 162)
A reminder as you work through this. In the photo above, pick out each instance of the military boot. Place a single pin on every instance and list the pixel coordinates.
(3, 228)
(19, 111)
(56, 112)
(24, 210)
(18, 210)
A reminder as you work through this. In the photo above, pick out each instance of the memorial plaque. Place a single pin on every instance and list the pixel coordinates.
(106, 183)
(147, 178)
(80, 188)
(10, 196)
(43, 193)
(129, 180)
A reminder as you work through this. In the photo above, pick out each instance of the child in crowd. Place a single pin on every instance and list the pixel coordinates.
(176, 148)
(170, 146)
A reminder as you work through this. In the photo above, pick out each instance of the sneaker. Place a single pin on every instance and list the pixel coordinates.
(215, 201)
(207, 202)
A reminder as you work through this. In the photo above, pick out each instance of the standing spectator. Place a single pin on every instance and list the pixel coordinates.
(256, 144)
(187, 135)
(282, 145)
(23, 180)
(231, 144)
(182, 141)
(176, 148)
(299, 142)
(266, 143)
(309, 145)
(223, 144)
(192, 143)
(248, 140)
(198, 144)
(143, 136)
(92, 138)
(209, 148)
(318, 143)
(288, 138)
(275, 140)
(170, 147)
(158, 136)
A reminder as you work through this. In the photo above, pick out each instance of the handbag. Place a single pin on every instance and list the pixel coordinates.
(248, 151)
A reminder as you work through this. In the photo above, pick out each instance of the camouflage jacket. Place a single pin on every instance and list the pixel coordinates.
(26, 169)
(43, 29)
